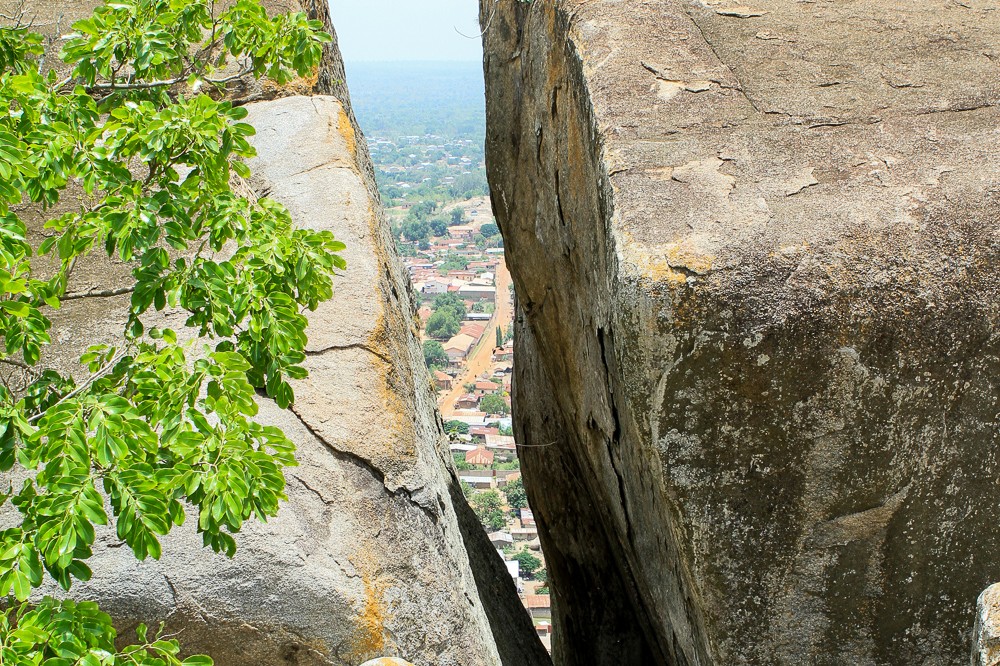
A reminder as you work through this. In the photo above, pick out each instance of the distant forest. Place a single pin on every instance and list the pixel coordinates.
(395, 99)
(426, 125)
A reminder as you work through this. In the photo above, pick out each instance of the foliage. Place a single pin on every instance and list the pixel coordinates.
(489, 229)
(157, 423)
(434, 354)
(439, 226)
(499, 336)
(443, 325)
(542, 589)
(453, 263)
(543, 576)
(64, 633)
(508, 465)
(460, 463)
(489, 509)
(494, 403)
(528, 561)
(460, 427)
(457, 216)
(416, 230)
(467, 489)
(450, 302)
(507, 430)
(516, 497)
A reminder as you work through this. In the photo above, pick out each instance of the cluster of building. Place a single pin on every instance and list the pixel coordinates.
(482, 448)
(463, 385)
(408, 163)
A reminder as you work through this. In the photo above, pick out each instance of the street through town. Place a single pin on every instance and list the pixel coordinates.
(480, 360)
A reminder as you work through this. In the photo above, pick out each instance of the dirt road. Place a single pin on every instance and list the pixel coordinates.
(481, 358)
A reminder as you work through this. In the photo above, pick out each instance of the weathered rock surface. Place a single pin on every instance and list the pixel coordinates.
(756, 249)
(367, 556)
(370, 555)
(986, 636)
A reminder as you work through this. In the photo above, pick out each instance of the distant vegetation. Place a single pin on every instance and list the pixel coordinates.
(426, 127)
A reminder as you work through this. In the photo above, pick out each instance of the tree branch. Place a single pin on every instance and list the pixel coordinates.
(95, 293)
(82, 387)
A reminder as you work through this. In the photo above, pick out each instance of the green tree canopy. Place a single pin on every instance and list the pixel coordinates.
(489, 229)
(443, 325)
(489, 509)
(457, 217)
(460, 427)
(140, 126)
(416, 230)
(450, 302)
(434, 354)
(494, 403)
(516, 497)
(529, 562)
(439, 226)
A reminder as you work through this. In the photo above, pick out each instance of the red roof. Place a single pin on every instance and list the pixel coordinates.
(479, 456)
(537, 601)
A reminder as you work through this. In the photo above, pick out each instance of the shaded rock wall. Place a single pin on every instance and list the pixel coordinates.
(369, 556)
(755, 248)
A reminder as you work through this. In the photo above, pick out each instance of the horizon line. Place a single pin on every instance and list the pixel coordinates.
(428, 61)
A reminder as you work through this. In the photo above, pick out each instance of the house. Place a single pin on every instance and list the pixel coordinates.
(482, 432)
(477, 482)
(505, 353)
(539, 605)
(473, 292)
(513, 568)
(467, 401)
(424, 312)
(470, 416)
(458, 347)
(480, 456)
(501, 539)
(500, 442)
(461, 231)
(522, 533)
(442, 380)
(527, 518)
(461, 447)
(435, 287)
(505, 476)
(479, 316)
(473, 330)
(483, 387)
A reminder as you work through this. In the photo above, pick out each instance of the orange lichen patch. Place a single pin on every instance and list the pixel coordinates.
(369, 625)
(684, 255)
(300, 85)
(671, 263)
(346, 129)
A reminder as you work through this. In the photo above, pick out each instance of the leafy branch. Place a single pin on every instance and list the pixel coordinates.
(156, 427)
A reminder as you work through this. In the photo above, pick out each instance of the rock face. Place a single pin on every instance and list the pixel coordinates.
(756, 251)
(986, 636)
(374, 554)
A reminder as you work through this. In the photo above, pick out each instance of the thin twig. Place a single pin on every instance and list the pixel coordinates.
(103, 293)
(146, 85)
(84, 386)
(489, 22)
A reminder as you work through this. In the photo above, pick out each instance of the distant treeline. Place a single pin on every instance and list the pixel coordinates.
(394, 99)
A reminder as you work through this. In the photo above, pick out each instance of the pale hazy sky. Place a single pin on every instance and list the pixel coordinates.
(407, 29)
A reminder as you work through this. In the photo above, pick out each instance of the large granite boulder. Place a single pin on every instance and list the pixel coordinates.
(756, 249)
(375, 553)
